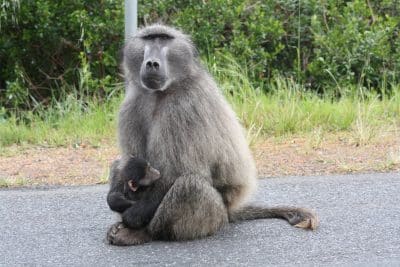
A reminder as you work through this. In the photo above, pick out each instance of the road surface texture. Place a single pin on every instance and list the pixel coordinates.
(359, 215)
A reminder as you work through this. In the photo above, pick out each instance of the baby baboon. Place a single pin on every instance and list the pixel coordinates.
(128, 183)
(132, 178)
(174, 116)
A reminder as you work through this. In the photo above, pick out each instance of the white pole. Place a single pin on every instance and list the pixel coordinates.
(130, 18)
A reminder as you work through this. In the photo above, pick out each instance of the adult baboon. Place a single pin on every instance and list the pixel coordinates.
(175, 117)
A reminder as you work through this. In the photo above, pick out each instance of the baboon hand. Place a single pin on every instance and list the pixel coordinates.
(134, 218)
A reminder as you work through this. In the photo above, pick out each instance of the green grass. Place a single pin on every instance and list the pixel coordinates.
(4, 183)
(289, 109)
(71, 122)
(286, 109)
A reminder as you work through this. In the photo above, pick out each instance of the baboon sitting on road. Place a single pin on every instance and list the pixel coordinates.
(174, 116)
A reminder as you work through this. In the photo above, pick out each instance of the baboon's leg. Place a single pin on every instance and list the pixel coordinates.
(232, 195)
(191, 209)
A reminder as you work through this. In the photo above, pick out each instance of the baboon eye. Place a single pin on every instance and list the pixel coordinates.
(166, 37)
(161, 36)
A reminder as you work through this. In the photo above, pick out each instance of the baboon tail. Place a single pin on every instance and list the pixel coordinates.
(299, 217)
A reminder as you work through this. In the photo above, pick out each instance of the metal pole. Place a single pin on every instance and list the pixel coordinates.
(130, 18)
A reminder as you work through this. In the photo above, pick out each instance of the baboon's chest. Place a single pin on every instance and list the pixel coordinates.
(176, 140)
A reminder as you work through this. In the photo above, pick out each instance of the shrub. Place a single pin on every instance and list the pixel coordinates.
(50, 41)
(50, 47)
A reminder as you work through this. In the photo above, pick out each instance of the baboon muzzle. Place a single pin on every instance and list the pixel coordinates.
(153, 72)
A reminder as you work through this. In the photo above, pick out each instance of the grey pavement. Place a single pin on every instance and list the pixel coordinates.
(359, 215)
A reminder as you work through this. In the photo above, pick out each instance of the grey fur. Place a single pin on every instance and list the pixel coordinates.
(189, 132)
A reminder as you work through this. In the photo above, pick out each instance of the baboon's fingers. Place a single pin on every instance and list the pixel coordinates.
(120, 226)
(110, 235)
(112, 232)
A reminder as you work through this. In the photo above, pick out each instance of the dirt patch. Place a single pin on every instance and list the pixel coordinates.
(57, 166)
(274, 157)
(336, 154)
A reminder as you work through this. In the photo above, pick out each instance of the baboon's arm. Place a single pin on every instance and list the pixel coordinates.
(116, 199)
(142, 211)
(118, 202)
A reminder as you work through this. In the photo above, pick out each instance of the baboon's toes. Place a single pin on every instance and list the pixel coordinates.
(112, 232)
(119, 235)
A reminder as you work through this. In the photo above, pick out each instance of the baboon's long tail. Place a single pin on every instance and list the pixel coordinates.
(298, 217)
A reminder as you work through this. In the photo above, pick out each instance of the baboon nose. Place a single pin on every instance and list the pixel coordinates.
(152, 65)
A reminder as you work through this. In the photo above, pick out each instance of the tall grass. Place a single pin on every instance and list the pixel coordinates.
(288, 108)
(279, 108)
(70, 122)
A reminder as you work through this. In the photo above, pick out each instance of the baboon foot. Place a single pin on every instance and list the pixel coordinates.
(303, 218)
(120, 235)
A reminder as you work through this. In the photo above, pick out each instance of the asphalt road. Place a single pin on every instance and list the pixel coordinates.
(359, 215)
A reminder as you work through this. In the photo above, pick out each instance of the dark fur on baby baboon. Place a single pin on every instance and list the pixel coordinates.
(174, 116)
(132, 179)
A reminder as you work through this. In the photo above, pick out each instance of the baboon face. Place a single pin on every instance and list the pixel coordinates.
(157, 57)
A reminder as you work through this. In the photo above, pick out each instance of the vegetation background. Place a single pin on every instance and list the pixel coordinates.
(326, 46)
(287, 66)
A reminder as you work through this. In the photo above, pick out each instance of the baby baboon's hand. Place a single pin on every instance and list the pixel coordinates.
(134, 218)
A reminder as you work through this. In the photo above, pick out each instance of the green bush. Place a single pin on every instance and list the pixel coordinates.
(52, 44)
(326, 45)
(357, 44)
(48, 48)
